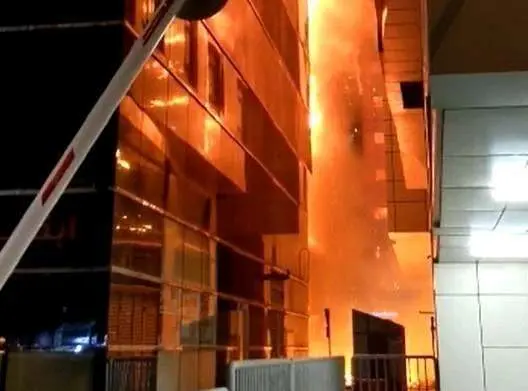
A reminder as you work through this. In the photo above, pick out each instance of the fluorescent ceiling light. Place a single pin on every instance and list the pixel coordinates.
(498, 245)
(509, 181)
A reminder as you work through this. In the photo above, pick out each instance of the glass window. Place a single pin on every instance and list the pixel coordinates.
(238, 274)
(257, 332)
(148, 100)
(186, 201)
(173, 252)
(173, 195)
(297, 297)
(230, 324)
(297, 331)
(215, 79)
(141, 131)
(207, 319)
(259, 67)
(283, 33)
(139, 176)
(258, 132)
(277, 332)
(170, 317)
(133, 312)
(192, 264)
(190, 327)
(197, 264)
(191, 53)
(140, 157)
(175, 43)
(233, 97)
(139, 12)
(153, 92)
(176, 136)
(177, 116)
(147, 9)
(137, 237)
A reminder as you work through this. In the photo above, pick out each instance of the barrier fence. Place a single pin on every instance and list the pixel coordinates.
(310, 374)
(389, 372)
(140, 374)
(369, 373)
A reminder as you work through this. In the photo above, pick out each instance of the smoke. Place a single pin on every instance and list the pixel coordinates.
(354, 264)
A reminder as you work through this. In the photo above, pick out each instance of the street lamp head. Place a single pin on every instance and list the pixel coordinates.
(200, 9)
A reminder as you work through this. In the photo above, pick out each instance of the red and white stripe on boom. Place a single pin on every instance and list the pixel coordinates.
(57, 176)
(71, 160)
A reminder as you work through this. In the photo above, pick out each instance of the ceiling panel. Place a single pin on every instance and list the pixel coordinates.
(454, 241)
(458, 249)
(454, 254)
(466, 171)
(512, 206)
(476, 171)
(481, 132)
(484, 164)
(472, 219)
(462, 254)
(469, 199)
(514, 220)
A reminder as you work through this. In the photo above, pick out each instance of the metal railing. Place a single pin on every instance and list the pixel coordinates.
(391, 372)
(305, 374)
(260, 375)
(317, 374)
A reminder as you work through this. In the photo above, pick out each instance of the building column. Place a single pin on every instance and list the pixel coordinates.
(482, 314)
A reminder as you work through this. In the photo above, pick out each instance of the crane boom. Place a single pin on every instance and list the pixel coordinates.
(91, 129)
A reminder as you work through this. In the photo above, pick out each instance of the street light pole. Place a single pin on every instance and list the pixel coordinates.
(432, 326)
(328, 330)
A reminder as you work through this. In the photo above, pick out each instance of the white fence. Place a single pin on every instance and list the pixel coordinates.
(310, 374)
(319, 374)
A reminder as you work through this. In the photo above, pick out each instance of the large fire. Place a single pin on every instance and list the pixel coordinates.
(355, 264)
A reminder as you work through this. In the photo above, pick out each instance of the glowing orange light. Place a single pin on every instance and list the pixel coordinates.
(316, 116)
(352, 266)
(174, 101)
(174, 38)
(384, 20)
(211, 135)
(121, 163)
(312, 242)
(225, 27)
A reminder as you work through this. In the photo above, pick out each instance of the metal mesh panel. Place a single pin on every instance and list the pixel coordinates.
(325, 374)
(131, 374)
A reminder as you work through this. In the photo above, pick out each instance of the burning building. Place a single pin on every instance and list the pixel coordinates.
(369, 190)
(183, 239)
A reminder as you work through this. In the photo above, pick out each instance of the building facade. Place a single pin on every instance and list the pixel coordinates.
(182, 241)
(478, 64)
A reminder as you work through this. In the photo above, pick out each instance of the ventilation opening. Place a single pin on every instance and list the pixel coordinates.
(412, 94)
